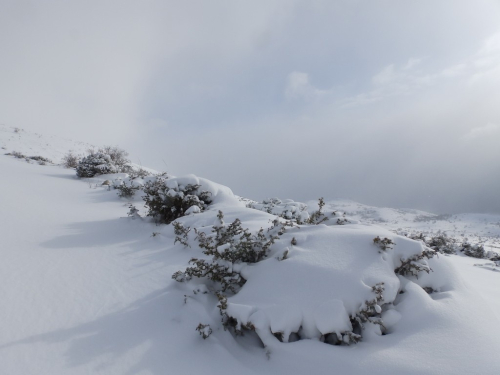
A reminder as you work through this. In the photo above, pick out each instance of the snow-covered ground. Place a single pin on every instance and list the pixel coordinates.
(88, 290)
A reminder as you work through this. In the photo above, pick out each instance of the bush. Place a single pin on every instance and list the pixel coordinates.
(105, 160)
(230, 245)
(166, 204)
(383, 244)
(126, 191)
(288, 209)
(18, 155)
(138, 173)
(70, 160)
(117, 155)
(474, 251)
(95, 164)
(318, 217)
(415, 264)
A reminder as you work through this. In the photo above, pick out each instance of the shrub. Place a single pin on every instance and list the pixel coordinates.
(167, 204)
(138, 173)
(40, 159)
(70, 160)
(229, 245)
(204, 330)
(117, 155)
(18, 155)
(474, 251)
(383, 244)
(181, 233)
(442, 243)
(288, 210)
(415, 264)
(318, 217)
(126, 191)
(105, 160)
(133, 212)
(94, 164)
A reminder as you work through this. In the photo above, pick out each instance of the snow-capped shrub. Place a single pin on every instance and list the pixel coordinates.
(138, 173)
(415, 264)
(17, 154)
(204, 330)
(167, 201)
(40, 159)
(70, 160)
(126, 191)
(181, 233)
(442, 243)
(287, 209)
(230, 246)
(474, 251)
(318, 217)
(342, 221)
(383, 244)
(95, 164)
(105, 160)
(118, 157)
(133, 212)
(448, 245)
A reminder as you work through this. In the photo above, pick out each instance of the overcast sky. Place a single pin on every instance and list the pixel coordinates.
(390, 103)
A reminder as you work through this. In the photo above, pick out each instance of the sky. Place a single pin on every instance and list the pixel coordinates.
(389, 103)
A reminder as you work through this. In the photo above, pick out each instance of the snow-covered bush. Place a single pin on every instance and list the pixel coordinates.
(103, 161)
(447, 245)
(138, 173)
(384, 244)
(318, 216)
(204, 330)
(181, 233)
(474, 251)
(70, 160)
(126, 191)
(133, 212)
(94, 164)
(40, 159)
(230, 246)
(17, 154)
(118, 157)
(286, 209)
(167, 200)
(415, 264)
(442, 243)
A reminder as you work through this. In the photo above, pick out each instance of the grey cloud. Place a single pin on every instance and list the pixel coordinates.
(375, 101)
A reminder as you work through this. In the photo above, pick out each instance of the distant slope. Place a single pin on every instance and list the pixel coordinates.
(477, 228)
(34, 144)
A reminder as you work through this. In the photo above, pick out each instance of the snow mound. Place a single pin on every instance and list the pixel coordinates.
(322, 285)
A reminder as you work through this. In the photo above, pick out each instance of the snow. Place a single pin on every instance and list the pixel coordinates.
(88, 290)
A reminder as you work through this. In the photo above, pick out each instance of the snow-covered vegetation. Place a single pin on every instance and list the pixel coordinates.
(196, 279)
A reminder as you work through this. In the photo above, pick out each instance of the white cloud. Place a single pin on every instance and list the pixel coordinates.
(386, 76)
(488, 130)
(454, 71)
(298, 86)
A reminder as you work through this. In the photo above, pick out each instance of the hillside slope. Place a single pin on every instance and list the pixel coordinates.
(86, 289)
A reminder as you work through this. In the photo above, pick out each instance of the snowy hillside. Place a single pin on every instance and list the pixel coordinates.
(33, 144)
(209, 282)
(477, 228)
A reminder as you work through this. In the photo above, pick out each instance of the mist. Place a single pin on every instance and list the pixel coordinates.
(389, 103)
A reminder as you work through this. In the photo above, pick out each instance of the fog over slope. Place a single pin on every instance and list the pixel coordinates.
(388, 103)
